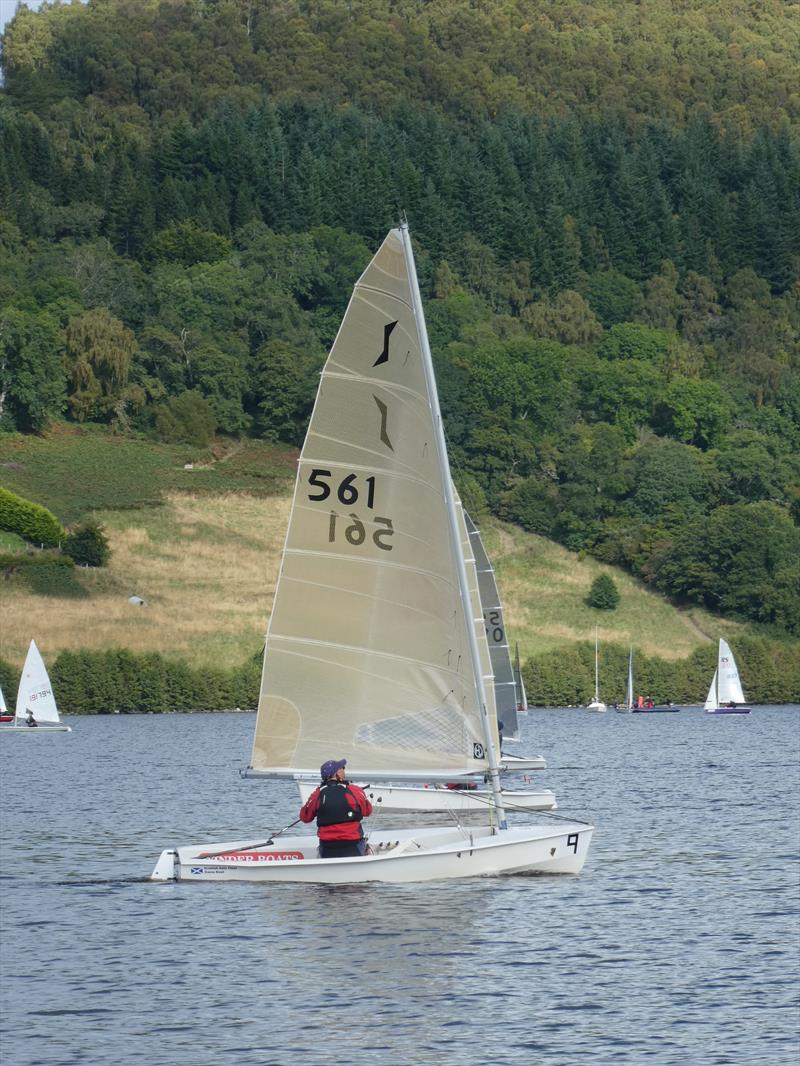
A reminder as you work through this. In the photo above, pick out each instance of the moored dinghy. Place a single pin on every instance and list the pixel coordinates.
(371, 650)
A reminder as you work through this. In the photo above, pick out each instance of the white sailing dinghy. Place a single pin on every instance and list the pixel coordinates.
(35, 700)
(371, 646)
(596, 704)
(725, 696)
(627, 706)
(505, 683)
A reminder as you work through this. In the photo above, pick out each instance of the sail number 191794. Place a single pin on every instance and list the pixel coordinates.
(349, 491)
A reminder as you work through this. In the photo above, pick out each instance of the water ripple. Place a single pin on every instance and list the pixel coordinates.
(675, 947)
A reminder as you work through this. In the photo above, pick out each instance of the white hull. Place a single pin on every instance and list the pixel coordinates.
(623, 710)
(407, 855)
(30, 730)
(517, 762)
(440, 798)
(596, 705)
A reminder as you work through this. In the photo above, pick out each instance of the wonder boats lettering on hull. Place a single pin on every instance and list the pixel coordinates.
(372, 650)
(260, 856)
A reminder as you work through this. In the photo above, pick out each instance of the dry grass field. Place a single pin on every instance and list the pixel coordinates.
(206, 566)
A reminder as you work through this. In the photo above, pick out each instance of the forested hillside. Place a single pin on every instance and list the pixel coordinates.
(605, 199)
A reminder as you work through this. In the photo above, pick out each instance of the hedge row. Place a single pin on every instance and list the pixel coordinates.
(107, 682)
(47, 573)
(29, 520)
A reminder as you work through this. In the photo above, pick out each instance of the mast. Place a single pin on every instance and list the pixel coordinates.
(596, 670)
(455, 536)
(522, 699)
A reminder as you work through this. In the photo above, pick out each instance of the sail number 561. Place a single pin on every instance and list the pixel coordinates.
(347, 491)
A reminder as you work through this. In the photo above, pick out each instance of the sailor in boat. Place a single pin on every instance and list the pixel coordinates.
(338, 807)
(29, 719)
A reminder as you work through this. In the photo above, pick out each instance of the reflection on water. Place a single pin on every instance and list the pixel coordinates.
(677, 945)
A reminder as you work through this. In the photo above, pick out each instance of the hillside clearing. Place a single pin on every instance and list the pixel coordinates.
(207, 565)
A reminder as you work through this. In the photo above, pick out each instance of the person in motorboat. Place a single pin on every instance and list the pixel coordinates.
(338, 806)
(29, 719)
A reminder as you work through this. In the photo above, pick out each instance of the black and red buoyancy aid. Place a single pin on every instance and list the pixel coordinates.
(334, 806)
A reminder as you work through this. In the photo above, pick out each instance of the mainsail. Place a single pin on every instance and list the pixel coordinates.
(35, 693)
(368, 651)
(729, 687)
(505, 690)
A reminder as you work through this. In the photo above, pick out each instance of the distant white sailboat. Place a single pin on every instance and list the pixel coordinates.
(596, 704)
(627, 706)
(725, 696)
(36, 711)
(372, 652)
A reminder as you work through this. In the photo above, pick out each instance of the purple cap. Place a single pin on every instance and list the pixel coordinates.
(331, 767)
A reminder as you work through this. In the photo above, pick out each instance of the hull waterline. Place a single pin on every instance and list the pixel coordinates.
(655, 710)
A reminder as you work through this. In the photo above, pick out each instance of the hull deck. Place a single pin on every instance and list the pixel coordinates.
(400, 855)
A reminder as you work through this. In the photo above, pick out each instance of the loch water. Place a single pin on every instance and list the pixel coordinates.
(678, 945)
